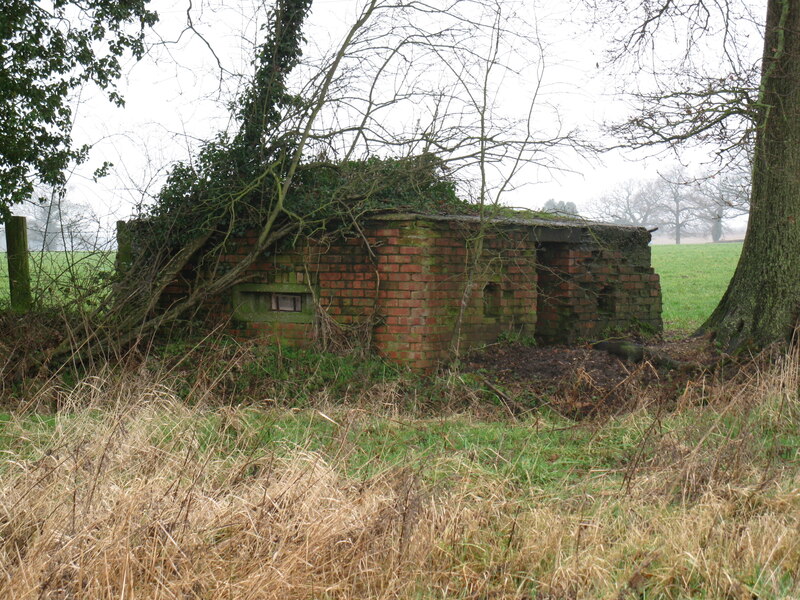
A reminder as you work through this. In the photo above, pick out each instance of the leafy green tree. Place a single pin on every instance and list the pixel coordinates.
(48, 49)
(236, 175)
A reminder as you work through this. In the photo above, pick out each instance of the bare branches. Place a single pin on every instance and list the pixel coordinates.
(690, 69)
(406, 78)
(638, 26)
(678, 202)
(424, 79)
(718, 112)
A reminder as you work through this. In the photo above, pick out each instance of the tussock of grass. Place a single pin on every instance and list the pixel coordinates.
(129, 492)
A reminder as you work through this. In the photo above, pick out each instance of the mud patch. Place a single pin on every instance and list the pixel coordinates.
(579, 381)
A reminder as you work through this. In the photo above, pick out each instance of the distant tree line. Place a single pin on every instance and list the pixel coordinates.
(56, 224)
(678, 203)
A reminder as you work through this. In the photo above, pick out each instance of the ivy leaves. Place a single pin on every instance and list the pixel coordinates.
(46, 51)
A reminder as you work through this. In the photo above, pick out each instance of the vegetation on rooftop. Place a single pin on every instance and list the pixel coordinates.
(321, 193)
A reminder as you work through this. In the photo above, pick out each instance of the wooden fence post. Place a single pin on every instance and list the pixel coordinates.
(19, 275)
(124, 256)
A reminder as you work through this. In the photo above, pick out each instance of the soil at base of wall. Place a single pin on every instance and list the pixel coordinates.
(580, 382)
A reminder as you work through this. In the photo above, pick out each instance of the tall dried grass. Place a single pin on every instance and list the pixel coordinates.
(130, 495)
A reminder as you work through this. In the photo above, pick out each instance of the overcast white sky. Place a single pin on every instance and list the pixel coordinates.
(176, 96)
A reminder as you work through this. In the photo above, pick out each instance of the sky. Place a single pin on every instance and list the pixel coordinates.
(179, 95)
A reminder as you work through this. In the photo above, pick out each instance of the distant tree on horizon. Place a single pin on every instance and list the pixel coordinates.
(559, 207)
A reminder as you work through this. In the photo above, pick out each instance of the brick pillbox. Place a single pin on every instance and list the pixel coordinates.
(406, 275)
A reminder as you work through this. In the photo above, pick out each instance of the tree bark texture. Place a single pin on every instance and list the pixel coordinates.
(761, 303)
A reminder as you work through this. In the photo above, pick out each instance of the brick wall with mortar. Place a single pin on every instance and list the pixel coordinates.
(600, 286)
(432, 284)
(426, 267)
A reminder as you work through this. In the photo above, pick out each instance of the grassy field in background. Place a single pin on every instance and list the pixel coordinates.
(58, 276)
(693, 279)
(345, 482)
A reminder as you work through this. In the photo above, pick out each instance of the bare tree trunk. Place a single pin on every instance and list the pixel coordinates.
(761, 304)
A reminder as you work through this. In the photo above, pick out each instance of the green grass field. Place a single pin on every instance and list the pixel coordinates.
(343, 482)
(62, 276)
(693, 279)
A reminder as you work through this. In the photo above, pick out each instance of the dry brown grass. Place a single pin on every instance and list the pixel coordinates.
(128, 496)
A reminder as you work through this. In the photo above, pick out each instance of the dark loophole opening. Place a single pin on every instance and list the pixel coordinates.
(606, 301)
(491, 300)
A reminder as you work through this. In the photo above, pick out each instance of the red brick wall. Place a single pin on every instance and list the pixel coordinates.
(409, 274)
(590, 291)
(423, 267)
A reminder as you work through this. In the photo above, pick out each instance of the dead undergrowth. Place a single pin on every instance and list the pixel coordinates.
(582, 382)
(130, 492)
